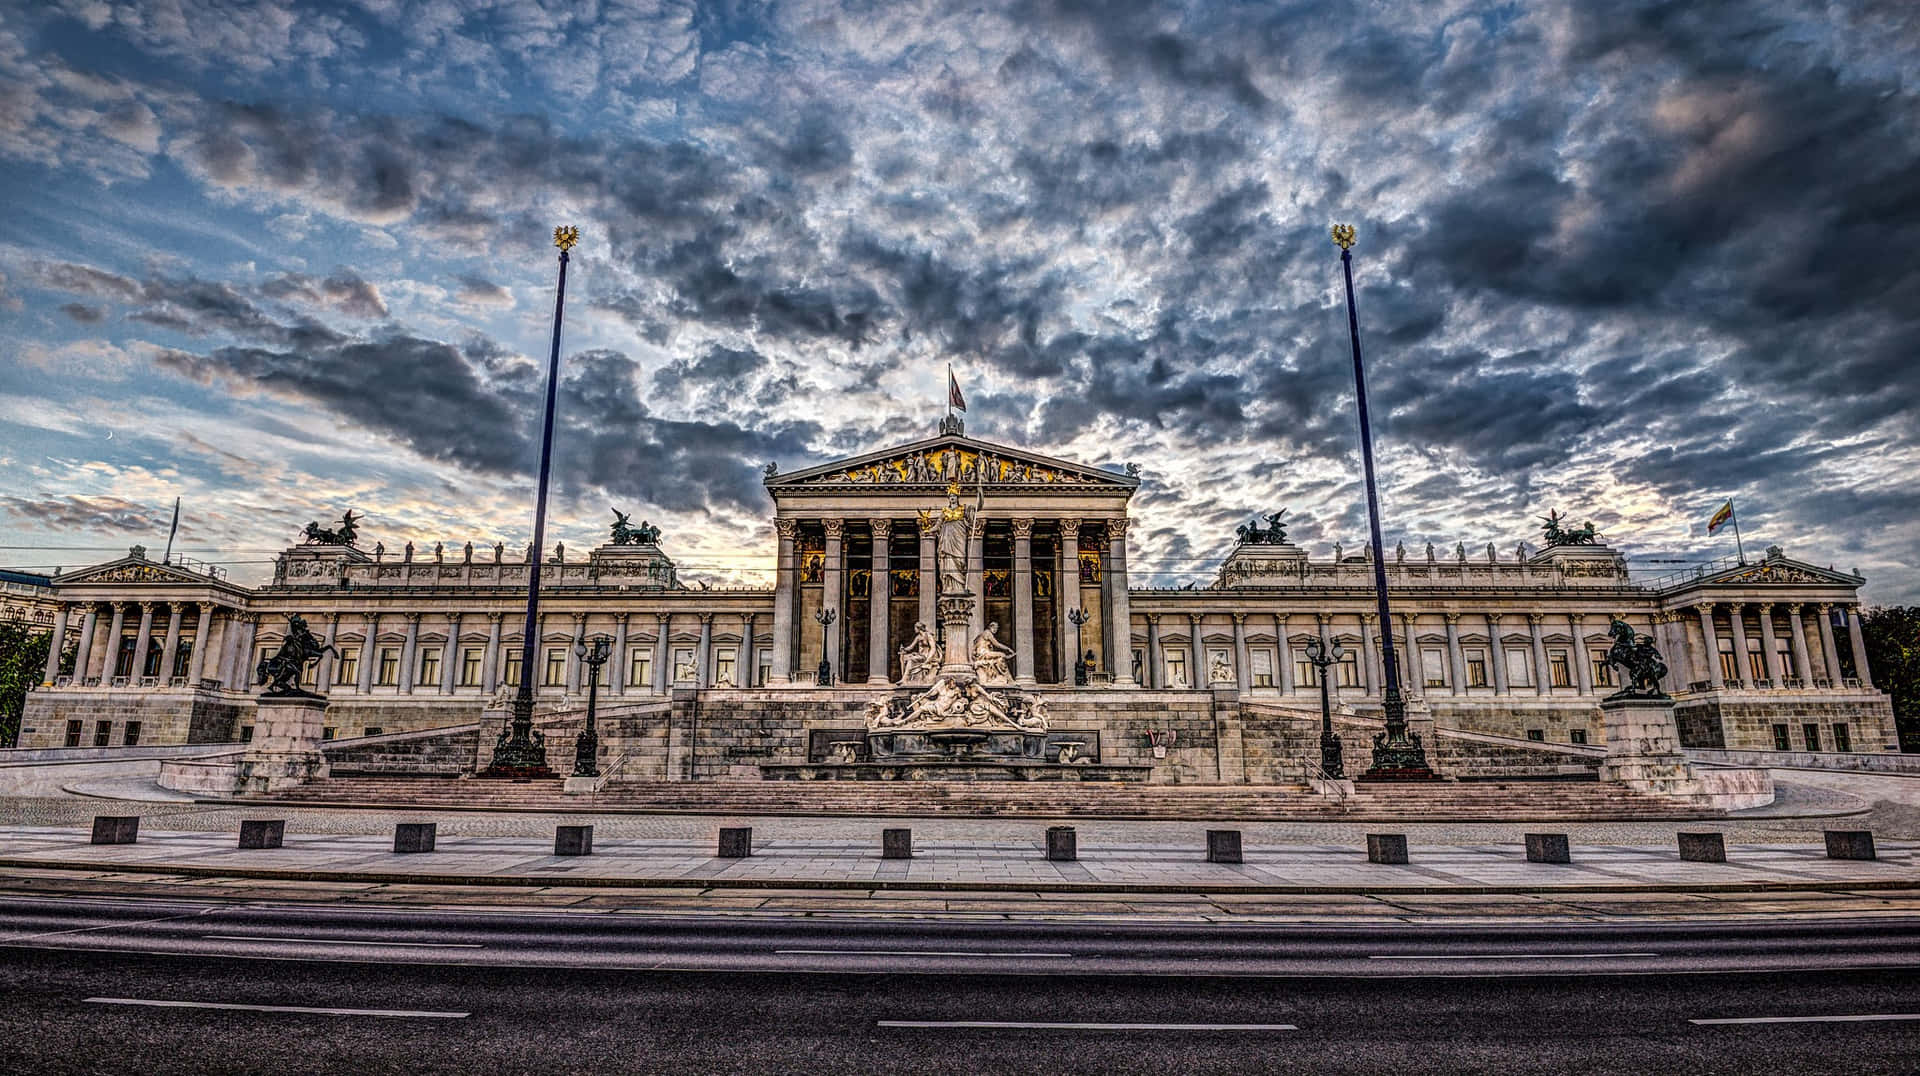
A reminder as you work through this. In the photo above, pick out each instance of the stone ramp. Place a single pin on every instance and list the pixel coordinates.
(1568, 801)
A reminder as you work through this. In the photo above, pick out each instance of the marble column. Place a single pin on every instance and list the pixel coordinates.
(783, 584)
(170, 644)
(1582, 666)
(1858, 642)
(1769, 660)
(52, 668)
(1197, 651)
(746, 664)
(1542, 676)
(1285, 648)
(409, 651)
(1155, 678)
(202, 636)
(1242, 662)
(1497, 655)
(830, 596)
(976, 578)
(1416, 668)
(1369, 641)
(929, 577)
(142, 642)
(1797, 632)
(490, 661)
(1737, 617)
(1823, 619)
(83, 657)
(703, 657)
(879, 589)
(323, 674)
(1023, 601)
(450, 655)
(1711, 643)
(1456, 657)
(110, 667)
(1121, 630)
(249, 624)
(1067, 597)
(662, 675)
(621, 662)
(370, 653)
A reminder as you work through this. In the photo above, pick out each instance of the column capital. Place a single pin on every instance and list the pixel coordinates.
(1452, 618)
(882, 528)
(1153, 618)
(413, 617)
(1022, 528)
(1070, 525)
(1824, 607)
(1370, 618)
(497, 616)
(706, 618)
(835, 527)
(1495, 618)
(786, 528)
(333, 618)
(1324, 618)
(1536, 618)
(1117, 528)
(1764, 608)
(1735, 607)
(1195, 617)
(578, 619)
(1239, 618)
(1794, 608)
(621, 618)
(148, 605)
(663, 618)
(1705, 608)
(1574, 620)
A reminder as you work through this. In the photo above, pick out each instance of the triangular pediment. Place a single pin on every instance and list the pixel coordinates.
(938, 461)
(1780, 570)
(131, 570)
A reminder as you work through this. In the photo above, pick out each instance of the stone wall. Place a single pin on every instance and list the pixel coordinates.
(1743, 721)
(166, 716)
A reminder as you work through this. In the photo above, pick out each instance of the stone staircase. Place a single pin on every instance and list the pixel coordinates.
(1569, 801)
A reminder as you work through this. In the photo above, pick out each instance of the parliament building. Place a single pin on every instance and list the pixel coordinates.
(1764, 654)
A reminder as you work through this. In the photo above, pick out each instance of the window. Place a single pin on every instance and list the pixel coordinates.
(1811, 733)
(1561, 670)
(470, 666)
(130, 736)
(1842, 736)
(349, 666)
(1780, 738)
(1537, 735)
(328, 732)
(1349, 674)
(513, 668)
(1602, 672)
(1519, 669)
(429, 666)
(182, 658)
(684, 670)
(556, 674)
(765, 666)
(372, 730)
(246, 734)
(1262, 667)
(1756, 664)
(1177, 669)
(310, 674)
(156, 651)
(1476, 668)
(1433, 666)
(102, 733)
(724, 661)
(1783, 660)
(1729, 668)
(389, 668)
(1577, 736)
(1304, 673)
(639, 668)
(74, 729)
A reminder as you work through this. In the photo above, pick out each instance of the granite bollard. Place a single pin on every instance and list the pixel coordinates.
(896, 844)
(1223, 846)
(262, 832)
(1850, 844)
(573, 840)
(410, 837)
(1703, 847)
(1548, 848)
(1386, 848)
(736, 842)
(1062, 844)
(116, 829)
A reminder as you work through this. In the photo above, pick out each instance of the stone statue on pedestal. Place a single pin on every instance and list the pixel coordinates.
(955, 523)
(1636, 656)
(920, 658)
(282, 670)
(990, 656)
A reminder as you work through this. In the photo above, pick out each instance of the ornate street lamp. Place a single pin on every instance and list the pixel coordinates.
(522, 752)
(1397, 754)
(1079, 617)
(1331, 764)
(826, 617)
(586, 748)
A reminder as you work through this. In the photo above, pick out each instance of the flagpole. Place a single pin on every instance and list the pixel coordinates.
(167, 557)
(1733, 517)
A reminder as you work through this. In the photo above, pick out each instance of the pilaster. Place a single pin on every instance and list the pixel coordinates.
(783, 587)
(831, 592)
(1023, 601)
(879, 597)
(1121, 630)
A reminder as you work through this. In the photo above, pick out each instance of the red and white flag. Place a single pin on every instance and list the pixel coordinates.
(954, 399)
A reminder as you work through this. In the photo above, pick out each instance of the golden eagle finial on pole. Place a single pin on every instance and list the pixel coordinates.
(565, 237)
(1343, 236)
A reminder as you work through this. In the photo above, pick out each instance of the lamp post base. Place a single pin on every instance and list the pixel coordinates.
(521, 752)
(1398, 754)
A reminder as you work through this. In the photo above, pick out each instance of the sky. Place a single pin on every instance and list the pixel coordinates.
(1623, 260)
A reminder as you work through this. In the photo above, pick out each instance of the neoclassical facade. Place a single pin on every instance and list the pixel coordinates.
(1764, 655)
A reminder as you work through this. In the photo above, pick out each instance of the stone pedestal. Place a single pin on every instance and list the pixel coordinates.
(1063, 844)
(896, 844)
(1643, 747)
(956, 621)
(736, 842)
(285, 750)
(1386, 848)
(573, 840)
(1548, 848)
(1223, 846)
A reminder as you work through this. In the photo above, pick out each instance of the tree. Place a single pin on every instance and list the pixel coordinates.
(23, 656)
(1893, 653)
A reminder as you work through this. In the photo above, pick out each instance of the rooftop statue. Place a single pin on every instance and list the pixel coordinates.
(1274, 533)
(1643, 665)
(1559, 535)
(318, 535)
(281, 672)
(624, 533)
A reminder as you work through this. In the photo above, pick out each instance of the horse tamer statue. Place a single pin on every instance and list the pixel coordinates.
(281, 672)
(1642, 664)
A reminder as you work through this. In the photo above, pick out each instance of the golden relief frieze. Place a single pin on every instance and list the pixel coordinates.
(961, 465)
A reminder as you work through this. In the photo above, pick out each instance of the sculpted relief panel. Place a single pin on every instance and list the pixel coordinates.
(956, 465)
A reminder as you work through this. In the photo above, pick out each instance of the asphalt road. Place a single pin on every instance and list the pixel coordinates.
(152, 987)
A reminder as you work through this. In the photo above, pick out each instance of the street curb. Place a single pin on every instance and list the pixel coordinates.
(540, 881)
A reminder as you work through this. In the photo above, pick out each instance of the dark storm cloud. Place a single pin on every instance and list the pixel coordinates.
(1130, 38)
(87, 514)
(477, 289)
(343, 290)
(82, 313)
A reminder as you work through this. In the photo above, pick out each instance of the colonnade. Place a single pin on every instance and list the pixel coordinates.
(103, 626)
(1794, 666)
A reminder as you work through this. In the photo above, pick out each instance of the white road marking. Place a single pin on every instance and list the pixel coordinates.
(1860, 1019)
(1509, 956)
(157, 1003)
(1049, 1026)
(341, 941)
(905, 952)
